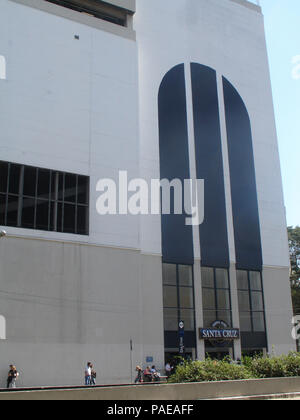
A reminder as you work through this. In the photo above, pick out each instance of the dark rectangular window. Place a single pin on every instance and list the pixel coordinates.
(43, 199)
(2, 209)
(82, 220)
(170, 297)
(28, 212)
(42, 214)
(3, 177)
(178, 293)
(14, 179)
(216, 296)
(43, 186)
(83, 190)
(170, 274)
(251, 301)
(30, 179)
(70, 190)
(12, 211)
(96, 8)
(185, 275)
(69, 218)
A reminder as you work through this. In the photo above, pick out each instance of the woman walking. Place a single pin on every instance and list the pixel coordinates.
(93, 375)
(139, 377)
(13, 375)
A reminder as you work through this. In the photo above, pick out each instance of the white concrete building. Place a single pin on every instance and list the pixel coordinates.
(160, 89)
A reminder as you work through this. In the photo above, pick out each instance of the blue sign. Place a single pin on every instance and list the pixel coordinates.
(181, 337)
(218, 334)
(149, 359)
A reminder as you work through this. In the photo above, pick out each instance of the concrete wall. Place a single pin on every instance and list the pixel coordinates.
(279, 311)
(86, 19)
(183, 392)
(67, 304)
(70, 105)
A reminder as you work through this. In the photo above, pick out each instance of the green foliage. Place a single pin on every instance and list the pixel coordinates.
(209, 371)
(296, 299)
(276, 367)
(251, 368)
(294, 248)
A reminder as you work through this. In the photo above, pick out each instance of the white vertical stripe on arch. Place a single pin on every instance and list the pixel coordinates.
(196, 230)
(192, 152)
(226, 170)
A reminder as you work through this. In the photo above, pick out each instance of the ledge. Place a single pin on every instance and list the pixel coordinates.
(82, 18)
(254, 388)
(129, 5)
(248, 4)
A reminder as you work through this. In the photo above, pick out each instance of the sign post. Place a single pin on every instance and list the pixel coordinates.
(181, 338)
(131, 361)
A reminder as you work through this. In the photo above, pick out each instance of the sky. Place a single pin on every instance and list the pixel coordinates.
(282, 23)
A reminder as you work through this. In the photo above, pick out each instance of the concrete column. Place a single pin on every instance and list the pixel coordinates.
(278, 309)
(196, 232)
(230, 228)
(235, 309)
(199, 309)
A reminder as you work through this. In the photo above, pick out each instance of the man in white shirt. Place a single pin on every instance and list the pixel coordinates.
(168, 369)
(88, 374)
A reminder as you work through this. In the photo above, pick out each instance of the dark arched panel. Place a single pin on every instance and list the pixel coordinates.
(209, 164)
(243, 181)
(177, 238)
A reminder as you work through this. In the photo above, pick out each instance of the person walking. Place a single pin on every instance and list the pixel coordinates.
(93, 375)
(9, 376)
(88, 374)
(139, 377)
(12, 377)
(168, 370)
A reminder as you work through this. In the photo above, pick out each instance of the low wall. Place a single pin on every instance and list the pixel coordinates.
(171, 392)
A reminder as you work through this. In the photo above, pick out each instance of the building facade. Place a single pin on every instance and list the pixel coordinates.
(159, 90)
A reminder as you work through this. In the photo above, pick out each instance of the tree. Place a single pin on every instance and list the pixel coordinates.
(294, 247)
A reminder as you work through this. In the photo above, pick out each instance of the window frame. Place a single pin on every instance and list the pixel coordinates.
(54, 198)
(215, 288)
(250, 292)
(179, 286)
(99, 10)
